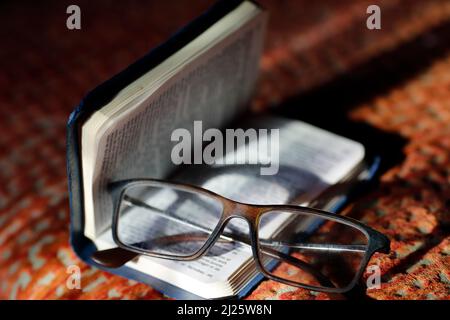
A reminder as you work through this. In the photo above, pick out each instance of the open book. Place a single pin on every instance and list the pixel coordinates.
(210, 78)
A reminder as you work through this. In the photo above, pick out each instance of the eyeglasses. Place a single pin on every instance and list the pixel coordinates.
(298, 246)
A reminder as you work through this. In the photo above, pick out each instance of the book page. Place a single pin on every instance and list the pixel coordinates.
(310, 160)
(211, 79)
(306, 169)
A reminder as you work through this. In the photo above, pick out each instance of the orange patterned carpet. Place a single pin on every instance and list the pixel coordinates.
(320, 46)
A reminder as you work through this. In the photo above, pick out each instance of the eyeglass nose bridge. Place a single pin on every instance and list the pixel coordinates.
(247, 213)
(241, 210)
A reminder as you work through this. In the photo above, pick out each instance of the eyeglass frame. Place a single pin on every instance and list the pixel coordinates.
(251, 213)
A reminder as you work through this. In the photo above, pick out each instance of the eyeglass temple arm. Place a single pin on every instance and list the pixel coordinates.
(116, 257)
(232, 236)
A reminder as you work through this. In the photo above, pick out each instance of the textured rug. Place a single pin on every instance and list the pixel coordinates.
(46, 69)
